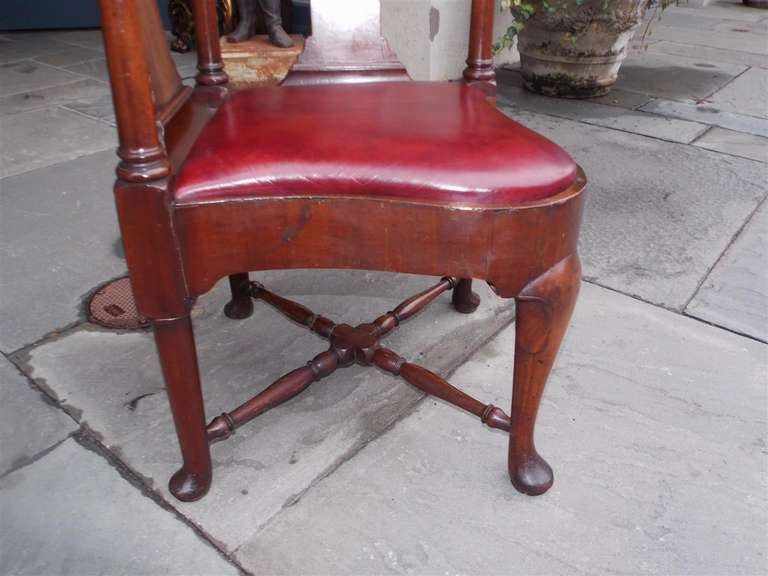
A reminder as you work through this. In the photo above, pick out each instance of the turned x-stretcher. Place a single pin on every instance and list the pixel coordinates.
(352, 345)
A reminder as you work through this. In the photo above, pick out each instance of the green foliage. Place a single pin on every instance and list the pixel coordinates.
(523, 10)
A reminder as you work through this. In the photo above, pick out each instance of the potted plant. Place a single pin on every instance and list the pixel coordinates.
(573, 48)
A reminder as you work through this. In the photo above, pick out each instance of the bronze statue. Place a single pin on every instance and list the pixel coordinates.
(246, 27)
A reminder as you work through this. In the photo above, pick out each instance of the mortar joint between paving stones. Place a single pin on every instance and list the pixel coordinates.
(733, 239)
(89, 440)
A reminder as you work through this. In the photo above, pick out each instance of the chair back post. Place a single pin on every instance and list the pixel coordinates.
(209, 62)
(167, 89)
(142, 156)
(480, 59)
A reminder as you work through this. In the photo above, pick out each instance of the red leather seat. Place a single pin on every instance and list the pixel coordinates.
(410, 140)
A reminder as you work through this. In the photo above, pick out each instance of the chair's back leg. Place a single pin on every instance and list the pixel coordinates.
(241, 305)
(464, 299)
(176, 348)
(543, 310)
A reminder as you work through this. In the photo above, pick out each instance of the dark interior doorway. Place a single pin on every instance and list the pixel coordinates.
(55, 14)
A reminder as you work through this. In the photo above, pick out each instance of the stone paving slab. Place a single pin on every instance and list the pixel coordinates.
(588, 112)
(185, 58)
(700, 20)
(92, 39)
(675, 77)
(756, 28)
(747, 94)
(187, 75)
(727, 40)
(40, 138)
(112, 383)
(31, 424)
(58, 230)
(83, 95)
(93, 68)
(70, 56)
(655, 425)
(736, 143)
(735, 294)
(708, 53)
(26, 75)
(96, 104)
(70, 513)
(658, 214)
(708, 114)
(509, 76)
(721, 11)
(622, 99)
(15, 47)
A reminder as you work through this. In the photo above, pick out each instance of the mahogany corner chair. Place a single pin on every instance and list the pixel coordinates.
(347, 165)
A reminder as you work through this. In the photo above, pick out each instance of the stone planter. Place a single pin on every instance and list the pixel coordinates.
(576, 51)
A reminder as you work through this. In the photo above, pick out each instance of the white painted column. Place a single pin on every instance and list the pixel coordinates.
(431, 36)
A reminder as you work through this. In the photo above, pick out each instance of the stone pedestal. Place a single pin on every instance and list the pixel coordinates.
(256, 62)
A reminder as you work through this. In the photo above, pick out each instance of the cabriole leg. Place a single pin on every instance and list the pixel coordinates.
(178, 358)
(241, 305)
(464, 300)
(543, 310)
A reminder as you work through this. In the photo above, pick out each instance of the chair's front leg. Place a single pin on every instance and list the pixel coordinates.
(544, 308)
(178, 357)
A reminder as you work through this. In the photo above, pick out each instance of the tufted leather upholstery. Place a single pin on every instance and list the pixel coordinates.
(423, 141)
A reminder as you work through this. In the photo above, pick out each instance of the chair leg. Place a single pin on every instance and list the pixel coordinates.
(464, 299)
(543, 311)
(178, 358)
(241, 305)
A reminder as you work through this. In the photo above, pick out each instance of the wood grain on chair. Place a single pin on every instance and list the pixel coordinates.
(370, 172)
